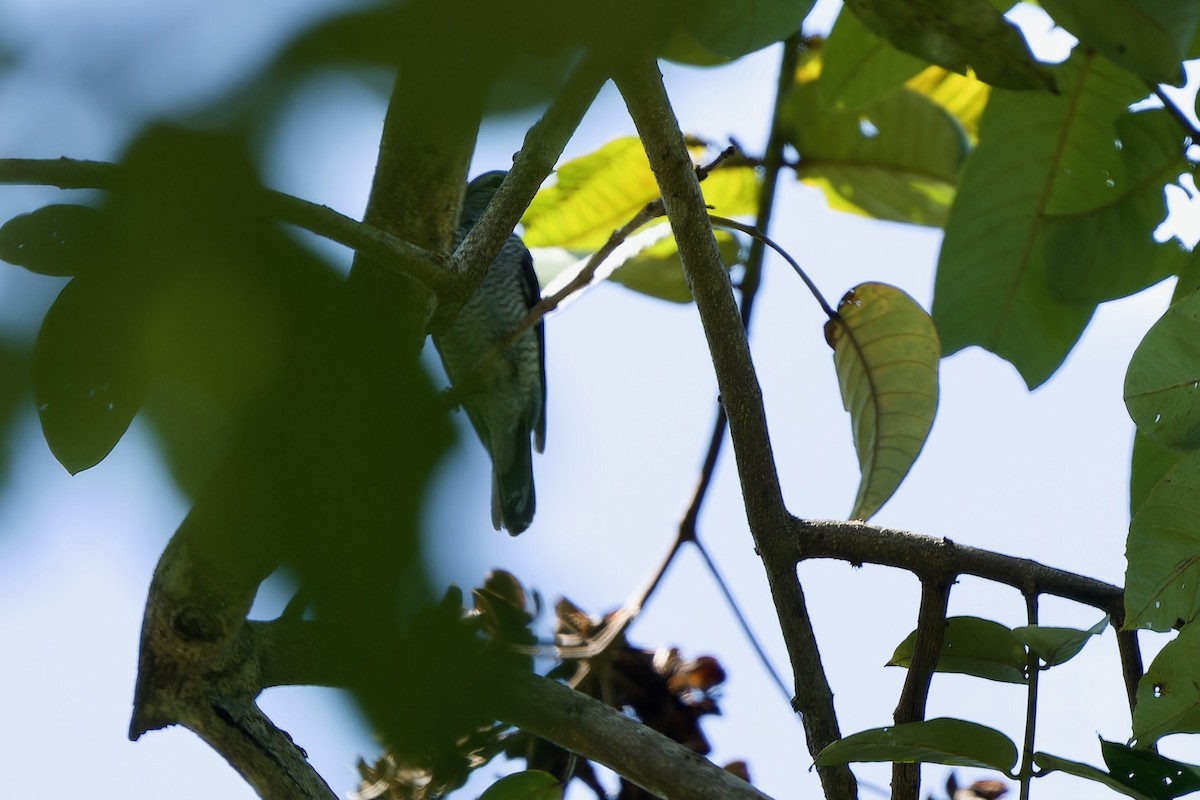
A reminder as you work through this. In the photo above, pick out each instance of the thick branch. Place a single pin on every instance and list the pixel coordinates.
(602, 734)
(641, 85)
(934, 558)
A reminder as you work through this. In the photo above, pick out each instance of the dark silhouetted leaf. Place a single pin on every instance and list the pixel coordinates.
(936, 741)
(1145, 771)
(530, 784)
(88, 375)
(54, 240)
(972, 646)
(957, 34)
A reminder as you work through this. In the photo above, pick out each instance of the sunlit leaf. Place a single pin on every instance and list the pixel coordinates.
(656, 271)
(1056, 645)
(896, 159)
(963, 96)
(1162, 581)
(972, 646)
(54, 240)
(530, 784)
(1168, 697)
(861, 67)
(886, 353)
(1150, 773)
(1110, 252)
(957, 34)
(88, 376)
(937, 741)
(1147, 37)
(595, 194)
(1162, 385)
(1038, 154)
(1048, 763)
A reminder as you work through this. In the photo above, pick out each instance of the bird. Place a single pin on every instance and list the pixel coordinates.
(505, 395)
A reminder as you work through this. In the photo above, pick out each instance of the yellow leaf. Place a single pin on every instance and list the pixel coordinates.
(886, 353)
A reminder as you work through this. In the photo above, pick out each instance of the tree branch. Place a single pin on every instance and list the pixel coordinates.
(641, 85)
(927, 647)
(390, 251)
(935, 558)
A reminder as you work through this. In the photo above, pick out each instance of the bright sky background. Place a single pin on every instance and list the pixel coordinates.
(1040, 474)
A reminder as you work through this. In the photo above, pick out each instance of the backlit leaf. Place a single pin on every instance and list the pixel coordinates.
(937, 741)
(1038, 154)
(656, 271)
(861, 67)
(1168, 698)
(963, 96)
(1163, 549)
(897, 159)
(972, 646)
(595, 194)
(886, 353)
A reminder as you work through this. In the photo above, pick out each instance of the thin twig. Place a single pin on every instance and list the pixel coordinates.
(750, 230)
(1034, 669)
(743, 622)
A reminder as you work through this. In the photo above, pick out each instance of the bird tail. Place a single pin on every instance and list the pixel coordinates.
(512, 492)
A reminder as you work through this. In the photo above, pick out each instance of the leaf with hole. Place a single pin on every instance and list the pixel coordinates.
(1168, 697)
(1152, 774)
(972, 646)
(937, 741)
(886, 354)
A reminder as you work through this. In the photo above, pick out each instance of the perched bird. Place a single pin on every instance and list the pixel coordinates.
(504, 397)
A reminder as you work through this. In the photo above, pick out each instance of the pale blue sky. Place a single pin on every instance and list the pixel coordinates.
(1038, 474)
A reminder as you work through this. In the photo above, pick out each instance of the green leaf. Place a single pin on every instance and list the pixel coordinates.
(1162, 385)
(734, 28)
(54, 240)
(1048, 763)
(972, 646)
(898, 159)
(1149, 463)
(1145, 771)
(861, 67)
(1038, 154)
(1056, 645)
(1168, 697)
(1110, 252)
(1147, 37)
(963, 96)
(957, 34)
(886, 353)
(937, 741)
(656, 271)
(530, 784)
(1163, 551)
(88, 376)
(597, 193)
